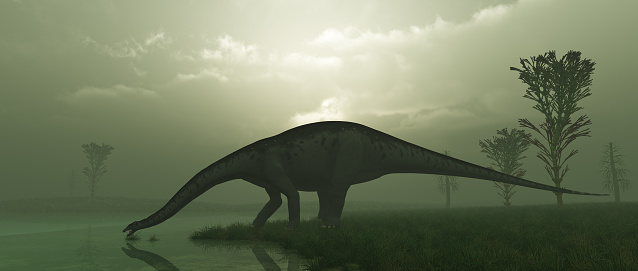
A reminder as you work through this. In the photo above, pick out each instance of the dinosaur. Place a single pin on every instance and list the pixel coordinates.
(326, 157)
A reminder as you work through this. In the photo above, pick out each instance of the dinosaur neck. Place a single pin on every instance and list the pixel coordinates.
(228, 168)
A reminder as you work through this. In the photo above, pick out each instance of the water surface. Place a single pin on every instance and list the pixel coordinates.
(96, 242)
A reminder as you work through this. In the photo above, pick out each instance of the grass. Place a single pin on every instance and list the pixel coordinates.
(132, 238)
(153, 238)
(601, 236)
(135, 237)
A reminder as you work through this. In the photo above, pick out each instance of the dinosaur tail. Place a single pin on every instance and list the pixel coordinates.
(224, 170)
(456, 167)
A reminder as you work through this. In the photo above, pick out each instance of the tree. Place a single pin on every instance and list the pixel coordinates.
(612, 171)
(447, 184)
(506, 151)
(97, 156)
(556, 86)
(72, 182)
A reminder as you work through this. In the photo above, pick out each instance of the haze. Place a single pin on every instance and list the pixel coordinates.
(174, 86)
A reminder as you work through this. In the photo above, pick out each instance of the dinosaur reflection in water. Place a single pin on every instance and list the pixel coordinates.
(156, 261)
(160, 263)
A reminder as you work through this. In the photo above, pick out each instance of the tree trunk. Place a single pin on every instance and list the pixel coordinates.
(447, 192)
(92, 185)
(616, 191)
(71, 183)
(557, 181)
(559, 199)
(614, 178)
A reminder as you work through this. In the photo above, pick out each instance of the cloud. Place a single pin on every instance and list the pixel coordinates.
(230, 50)
(411, 73)
(131, 48)
(116, 92)
(491, 14)
(158, 39)
(227, 50)
(138, 72)
(298, 59)
(351, 38)
(210, 72)
(330, 109)
(227, 59)
(421, 73)
(397, 72)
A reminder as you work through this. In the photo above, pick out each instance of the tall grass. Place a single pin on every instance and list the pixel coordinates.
(576, 237)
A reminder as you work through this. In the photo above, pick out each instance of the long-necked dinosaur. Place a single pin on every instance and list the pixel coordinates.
(327, 157)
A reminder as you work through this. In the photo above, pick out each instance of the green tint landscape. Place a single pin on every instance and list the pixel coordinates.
(121, 205)
(576, 237)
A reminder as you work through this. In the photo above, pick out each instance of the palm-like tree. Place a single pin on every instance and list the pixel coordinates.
(506, 151)
(613, 172)
(556, 86)
(447, 185)
(96, 154)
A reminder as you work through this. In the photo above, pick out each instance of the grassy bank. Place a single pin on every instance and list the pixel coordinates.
(576, 237)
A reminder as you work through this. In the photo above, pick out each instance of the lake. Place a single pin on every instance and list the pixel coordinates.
(96, 242)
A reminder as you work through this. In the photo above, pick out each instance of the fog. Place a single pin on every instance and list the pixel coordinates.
(175, 86)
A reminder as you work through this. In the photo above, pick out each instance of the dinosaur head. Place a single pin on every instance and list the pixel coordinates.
(132, 228)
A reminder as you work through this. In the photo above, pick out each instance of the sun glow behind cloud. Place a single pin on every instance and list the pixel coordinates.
(396, 71)
(330, 109)
(369, 66)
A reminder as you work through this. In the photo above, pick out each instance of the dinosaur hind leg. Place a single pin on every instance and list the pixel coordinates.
(336, 199)
(348, 165)
(324, 204)
(271, 206)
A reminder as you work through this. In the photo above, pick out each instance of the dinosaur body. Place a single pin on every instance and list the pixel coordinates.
(327, 157)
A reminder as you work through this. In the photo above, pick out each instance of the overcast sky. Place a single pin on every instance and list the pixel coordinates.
(175, 85)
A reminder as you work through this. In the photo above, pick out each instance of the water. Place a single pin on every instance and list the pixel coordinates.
(96, 242)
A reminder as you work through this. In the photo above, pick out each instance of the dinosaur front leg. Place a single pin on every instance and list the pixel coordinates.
(271, 206)
(293, 209)
(277, 177)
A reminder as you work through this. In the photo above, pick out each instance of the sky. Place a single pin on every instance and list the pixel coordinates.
(174, 86)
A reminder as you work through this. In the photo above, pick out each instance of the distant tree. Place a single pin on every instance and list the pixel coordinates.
(506, 151)
(556, 86)
(72, 182)
(97, 155)
(613, 172)
(447, 184)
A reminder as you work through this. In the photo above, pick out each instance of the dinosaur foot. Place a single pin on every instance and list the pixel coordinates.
(329, 226)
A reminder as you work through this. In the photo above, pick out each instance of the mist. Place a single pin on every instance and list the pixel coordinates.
(173, 87)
